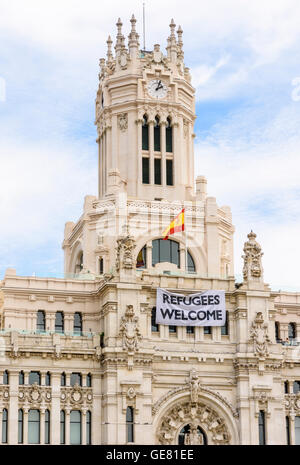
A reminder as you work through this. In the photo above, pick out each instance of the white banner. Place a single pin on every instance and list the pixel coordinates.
(201, 309)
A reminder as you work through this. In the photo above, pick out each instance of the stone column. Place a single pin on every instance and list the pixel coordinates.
(83, 426)
(292, 429)
(55, 409)
(42, 426)
(13, 407)
(95, 409)
(151, 151)
(149, 255)
(25, 425)
(67, 425)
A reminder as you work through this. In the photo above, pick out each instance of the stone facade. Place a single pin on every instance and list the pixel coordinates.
(179, 386)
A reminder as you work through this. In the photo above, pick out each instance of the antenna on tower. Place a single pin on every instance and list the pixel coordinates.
(144, 27)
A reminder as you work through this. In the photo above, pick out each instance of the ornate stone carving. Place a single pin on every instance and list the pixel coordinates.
(259, 336)
(261, 397)
(129, 331)
(193, 438)
(194, 384)
(195, 415)
(34, 395)
(76, 396)
(252, 258)
(125, 256)
(123, 122)
(292, 403)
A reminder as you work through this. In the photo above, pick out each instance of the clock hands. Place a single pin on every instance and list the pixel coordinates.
(160, 86)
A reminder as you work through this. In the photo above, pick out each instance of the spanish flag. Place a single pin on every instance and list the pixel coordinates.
(176, 225)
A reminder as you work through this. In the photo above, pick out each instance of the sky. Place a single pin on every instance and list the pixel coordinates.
(244, 58)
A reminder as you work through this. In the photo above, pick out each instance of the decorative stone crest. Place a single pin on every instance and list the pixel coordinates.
(34, 395)
(76, 396)
(259, 336)
(129, 331)
(252, 258)
(125, 256)
(123, 122)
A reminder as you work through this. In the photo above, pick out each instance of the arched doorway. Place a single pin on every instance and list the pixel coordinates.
(191, 434)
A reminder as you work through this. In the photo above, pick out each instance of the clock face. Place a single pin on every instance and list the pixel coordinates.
(157, 89)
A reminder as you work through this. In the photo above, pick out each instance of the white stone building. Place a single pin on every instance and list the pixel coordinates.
(82, 360)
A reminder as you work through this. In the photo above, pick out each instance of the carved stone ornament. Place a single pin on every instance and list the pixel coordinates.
(34, 394)
(194, 415)
(259, 336)
(125, 255)
(123, 122)
(76, 396)
(129, 331)
(194, 383)
(252, 258)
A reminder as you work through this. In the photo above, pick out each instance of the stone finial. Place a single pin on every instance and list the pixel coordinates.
(109, 50)
(133, 38)
(252, 259)
(172, 27)
(172, 45)
(179, 33)
(133, 23)
(120, 38)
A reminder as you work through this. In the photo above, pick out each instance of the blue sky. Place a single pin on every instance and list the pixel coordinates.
(244, 58)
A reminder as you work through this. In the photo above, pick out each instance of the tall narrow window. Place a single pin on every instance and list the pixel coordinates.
(191, 264)
(262, 428)
(21, 378)
(41, 321)
(75, 427)
(76, 378)
(169, 136)
(33, 426)
(225, 328)
(62, 427)
(165, 251)
(154, 325)
(63, 379)
(286, 387)
(157, 171)
(77, 328)
(20, 426)
(146, 171)
(172, 329)
(130, 424)
(297, 431)
(48, 379)
(169, 170)
(207, 329)
(47, 427)
(89, 380)
(157, 135)
(145, 134)
(292, 331)
(277, 332)
(101, 266)
(287, 426)
(5, 377)
(88, 427)
(296, 387)
(35, 377)
(4, 426)
(59, 322)
(190, 330)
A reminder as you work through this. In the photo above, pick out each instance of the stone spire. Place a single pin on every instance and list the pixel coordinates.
(252, 270)
(120, 38)
(133, 39)
(109, 50)
(172, 42)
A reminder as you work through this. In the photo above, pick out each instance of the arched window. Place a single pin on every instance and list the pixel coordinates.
(89, 380)
(35, 377)
(77, 328)
(130, 424)
(21, 378)
(33, 426)
(62, 427)
(75, 427)
(225, 328)
(277, 332)
(184, 436)
(157, 135)
(169, 136)
(5, 377)
(101, 265)
(154, 325)
(20, 426)
(48, 379)
(191, 263)
(292, 331)
(41, 321)
(59, 322)
(145, 133)
(4, 426)
(287, 426)
(141, 261)
(88, 427)
(76, 378)
(63, 379)
(165, 251)
(297, 431)
(47, 427)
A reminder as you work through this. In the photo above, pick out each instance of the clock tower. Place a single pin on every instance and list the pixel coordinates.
(145, 112)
